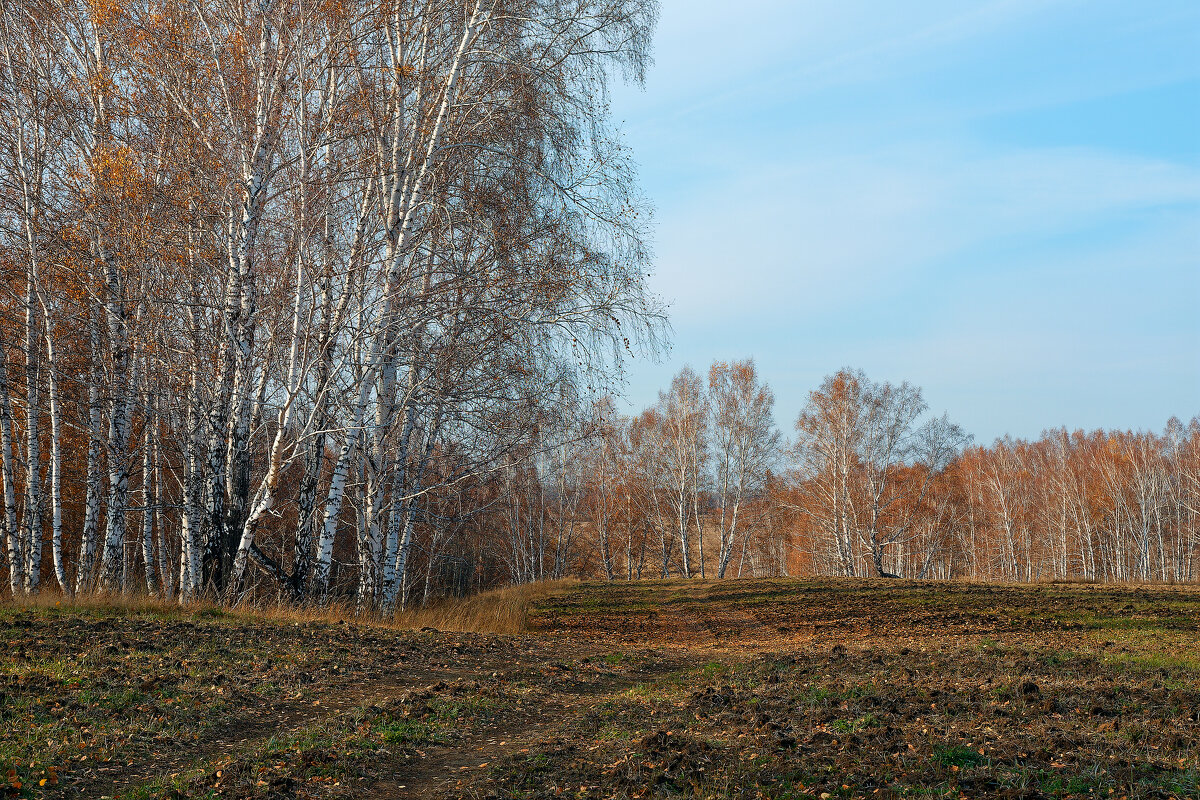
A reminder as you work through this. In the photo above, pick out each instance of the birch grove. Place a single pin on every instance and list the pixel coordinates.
(282, 279)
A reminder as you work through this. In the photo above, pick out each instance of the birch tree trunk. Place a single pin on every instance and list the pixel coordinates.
(112, 556)
(56, 545)
(33, 450)
(91, 516)
(149, 560)
(337, 492)
(16, 559)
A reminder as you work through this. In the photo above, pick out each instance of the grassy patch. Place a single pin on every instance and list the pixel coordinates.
(956, 755)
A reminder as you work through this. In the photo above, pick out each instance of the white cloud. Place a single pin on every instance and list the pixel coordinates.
(802, 236)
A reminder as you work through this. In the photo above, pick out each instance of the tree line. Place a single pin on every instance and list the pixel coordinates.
(873, 484)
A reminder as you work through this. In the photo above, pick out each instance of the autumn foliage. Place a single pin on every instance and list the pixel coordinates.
(872, 485)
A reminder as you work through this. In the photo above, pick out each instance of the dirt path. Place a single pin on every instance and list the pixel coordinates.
(554, 693)
(164, 703)
(441, 769)
(257, 724)
(559, 697)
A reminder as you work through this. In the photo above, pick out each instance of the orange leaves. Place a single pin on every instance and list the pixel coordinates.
(105, 13)
(332, 9)
(117, 177)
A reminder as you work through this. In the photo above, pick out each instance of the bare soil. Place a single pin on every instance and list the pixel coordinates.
(747, 688)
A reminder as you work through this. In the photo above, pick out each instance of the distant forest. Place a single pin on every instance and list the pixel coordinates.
(701, 484)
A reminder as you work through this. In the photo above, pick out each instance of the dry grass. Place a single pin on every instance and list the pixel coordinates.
(109, 604)
(498, 611)
(503, 610)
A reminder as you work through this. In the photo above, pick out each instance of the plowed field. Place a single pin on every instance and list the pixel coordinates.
(748, 688)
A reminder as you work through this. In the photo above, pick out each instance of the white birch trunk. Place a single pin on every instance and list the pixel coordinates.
(60, 571)
(264, 499)
(33, 449)
(16, 559)
(91, 515)
(148, 557)
(337, 491)
(164, 548)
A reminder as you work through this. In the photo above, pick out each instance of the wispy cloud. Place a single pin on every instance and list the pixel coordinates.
(839, 182)
(817, 231)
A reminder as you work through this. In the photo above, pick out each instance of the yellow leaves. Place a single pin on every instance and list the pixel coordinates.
(104, 12)
(117, 177)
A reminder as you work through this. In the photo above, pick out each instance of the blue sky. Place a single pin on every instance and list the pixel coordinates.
(997, 201)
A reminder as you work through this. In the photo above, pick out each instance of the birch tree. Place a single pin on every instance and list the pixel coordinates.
(745, 445)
